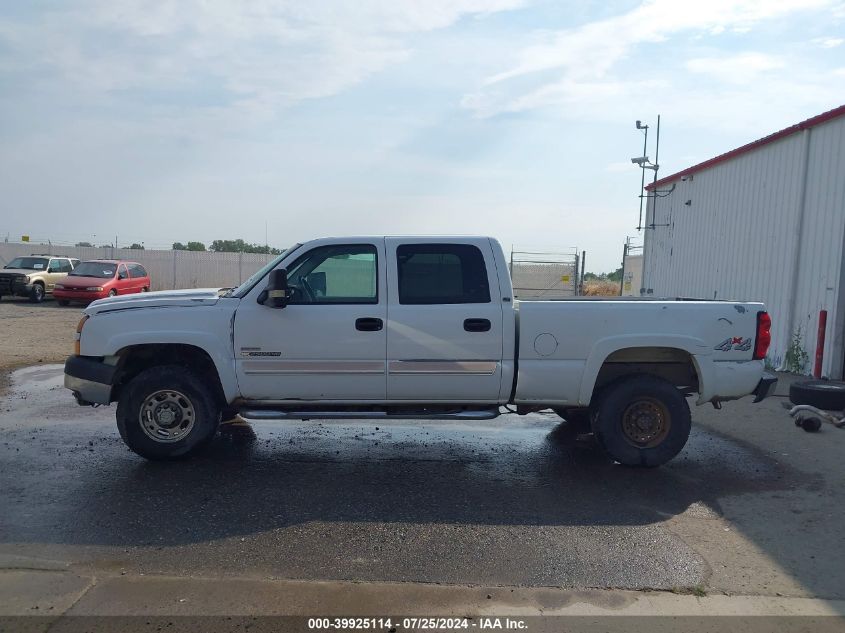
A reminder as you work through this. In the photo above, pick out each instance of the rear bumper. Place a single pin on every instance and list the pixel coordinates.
(765, 386)
(90, 379)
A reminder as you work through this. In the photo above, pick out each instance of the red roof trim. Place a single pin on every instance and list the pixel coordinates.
(804, 125)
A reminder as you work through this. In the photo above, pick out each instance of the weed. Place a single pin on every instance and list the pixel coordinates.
(796, 356)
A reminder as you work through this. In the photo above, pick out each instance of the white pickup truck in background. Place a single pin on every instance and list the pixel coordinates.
(410, 327)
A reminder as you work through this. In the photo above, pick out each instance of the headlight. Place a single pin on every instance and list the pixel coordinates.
(27, 278)
(94, 289)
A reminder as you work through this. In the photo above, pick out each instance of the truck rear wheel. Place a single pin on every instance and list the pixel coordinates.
(642, 421)
(166, 413)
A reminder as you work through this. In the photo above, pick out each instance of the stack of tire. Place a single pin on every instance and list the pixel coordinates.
(822, 394)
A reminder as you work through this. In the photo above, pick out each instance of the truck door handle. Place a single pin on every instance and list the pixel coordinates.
(477, 325)
(369, 324)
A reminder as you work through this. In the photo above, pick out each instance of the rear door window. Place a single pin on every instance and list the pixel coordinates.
(441, 273)
(60, 266)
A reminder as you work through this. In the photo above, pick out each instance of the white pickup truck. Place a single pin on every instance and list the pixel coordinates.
(410, 327)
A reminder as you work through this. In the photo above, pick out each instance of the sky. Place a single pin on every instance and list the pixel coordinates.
(177, 120)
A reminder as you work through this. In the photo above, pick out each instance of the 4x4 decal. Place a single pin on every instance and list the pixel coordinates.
(737, 343)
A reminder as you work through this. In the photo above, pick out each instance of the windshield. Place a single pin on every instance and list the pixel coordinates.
(94, 269)
(246, 286)
(28, 263)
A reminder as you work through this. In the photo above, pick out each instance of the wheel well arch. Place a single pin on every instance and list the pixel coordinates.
(672, 364)
(134, 359)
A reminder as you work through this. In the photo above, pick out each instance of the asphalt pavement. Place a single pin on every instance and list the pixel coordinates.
(514, 502)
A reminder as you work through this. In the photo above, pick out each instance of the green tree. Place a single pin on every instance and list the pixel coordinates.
(178, 246)
(228, 246)
(240, 246)
(616, 275)
(84, 244)
(135, 246)
(196, 246)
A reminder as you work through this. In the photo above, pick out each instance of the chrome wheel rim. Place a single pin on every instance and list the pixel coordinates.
(167, 416)
(646, 423)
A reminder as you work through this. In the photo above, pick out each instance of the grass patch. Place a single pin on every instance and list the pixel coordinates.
(698, 591)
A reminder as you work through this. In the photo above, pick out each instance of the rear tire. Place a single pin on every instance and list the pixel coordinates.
(166, 412)
(642, 420)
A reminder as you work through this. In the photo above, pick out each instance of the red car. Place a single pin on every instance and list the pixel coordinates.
(100, 278)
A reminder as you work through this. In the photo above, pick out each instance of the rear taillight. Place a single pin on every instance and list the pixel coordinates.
(764, 335)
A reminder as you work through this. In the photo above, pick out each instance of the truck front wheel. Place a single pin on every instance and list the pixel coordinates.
(36, 293)
(166, 413)
(642, 420)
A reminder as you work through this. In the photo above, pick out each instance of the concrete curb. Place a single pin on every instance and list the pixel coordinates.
(48, 592)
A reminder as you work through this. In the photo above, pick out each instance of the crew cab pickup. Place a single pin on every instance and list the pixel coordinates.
(410, 327)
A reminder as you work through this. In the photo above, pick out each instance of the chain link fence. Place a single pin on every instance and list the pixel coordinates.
(544, 276)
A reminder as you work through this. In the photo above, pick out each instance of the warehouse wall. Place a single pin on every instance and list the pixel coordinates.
(741, 236)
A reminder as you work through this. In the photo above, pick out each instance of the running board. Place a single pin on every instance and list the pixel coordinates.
(268, 414)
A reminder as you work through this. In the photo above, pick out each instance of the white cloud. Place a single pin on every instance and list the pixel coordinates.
(620, 167)
(562, 65)
(735, 69)
(828, 42)
(262, 54)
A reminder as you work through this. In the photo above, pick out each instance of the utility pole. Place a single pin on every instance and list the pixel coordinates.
(642, 180)
(654, 180)
(624, 257)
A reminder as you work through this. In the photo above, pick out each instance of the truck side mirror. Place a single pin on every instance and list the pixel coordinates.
(277, 293)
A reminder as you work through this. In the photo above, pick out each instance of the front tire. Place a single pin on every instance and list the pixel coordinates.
(642, 420)
(166, 413)
(36, 293)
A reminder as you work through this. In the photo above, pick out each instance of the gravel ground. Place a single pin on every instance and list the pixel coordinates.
(34, 333)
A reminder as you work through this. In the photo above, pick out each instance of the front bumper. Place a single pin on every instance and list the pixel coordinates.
(764, 387)
(90, 379)
(17, 288)
(78, 295)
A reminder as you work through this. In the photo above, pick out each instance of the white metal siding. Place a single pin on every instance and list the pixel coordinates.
(738, 237)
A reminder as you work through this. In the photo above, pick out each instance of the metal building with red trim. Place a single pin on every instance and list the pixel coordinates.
(765, 221)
